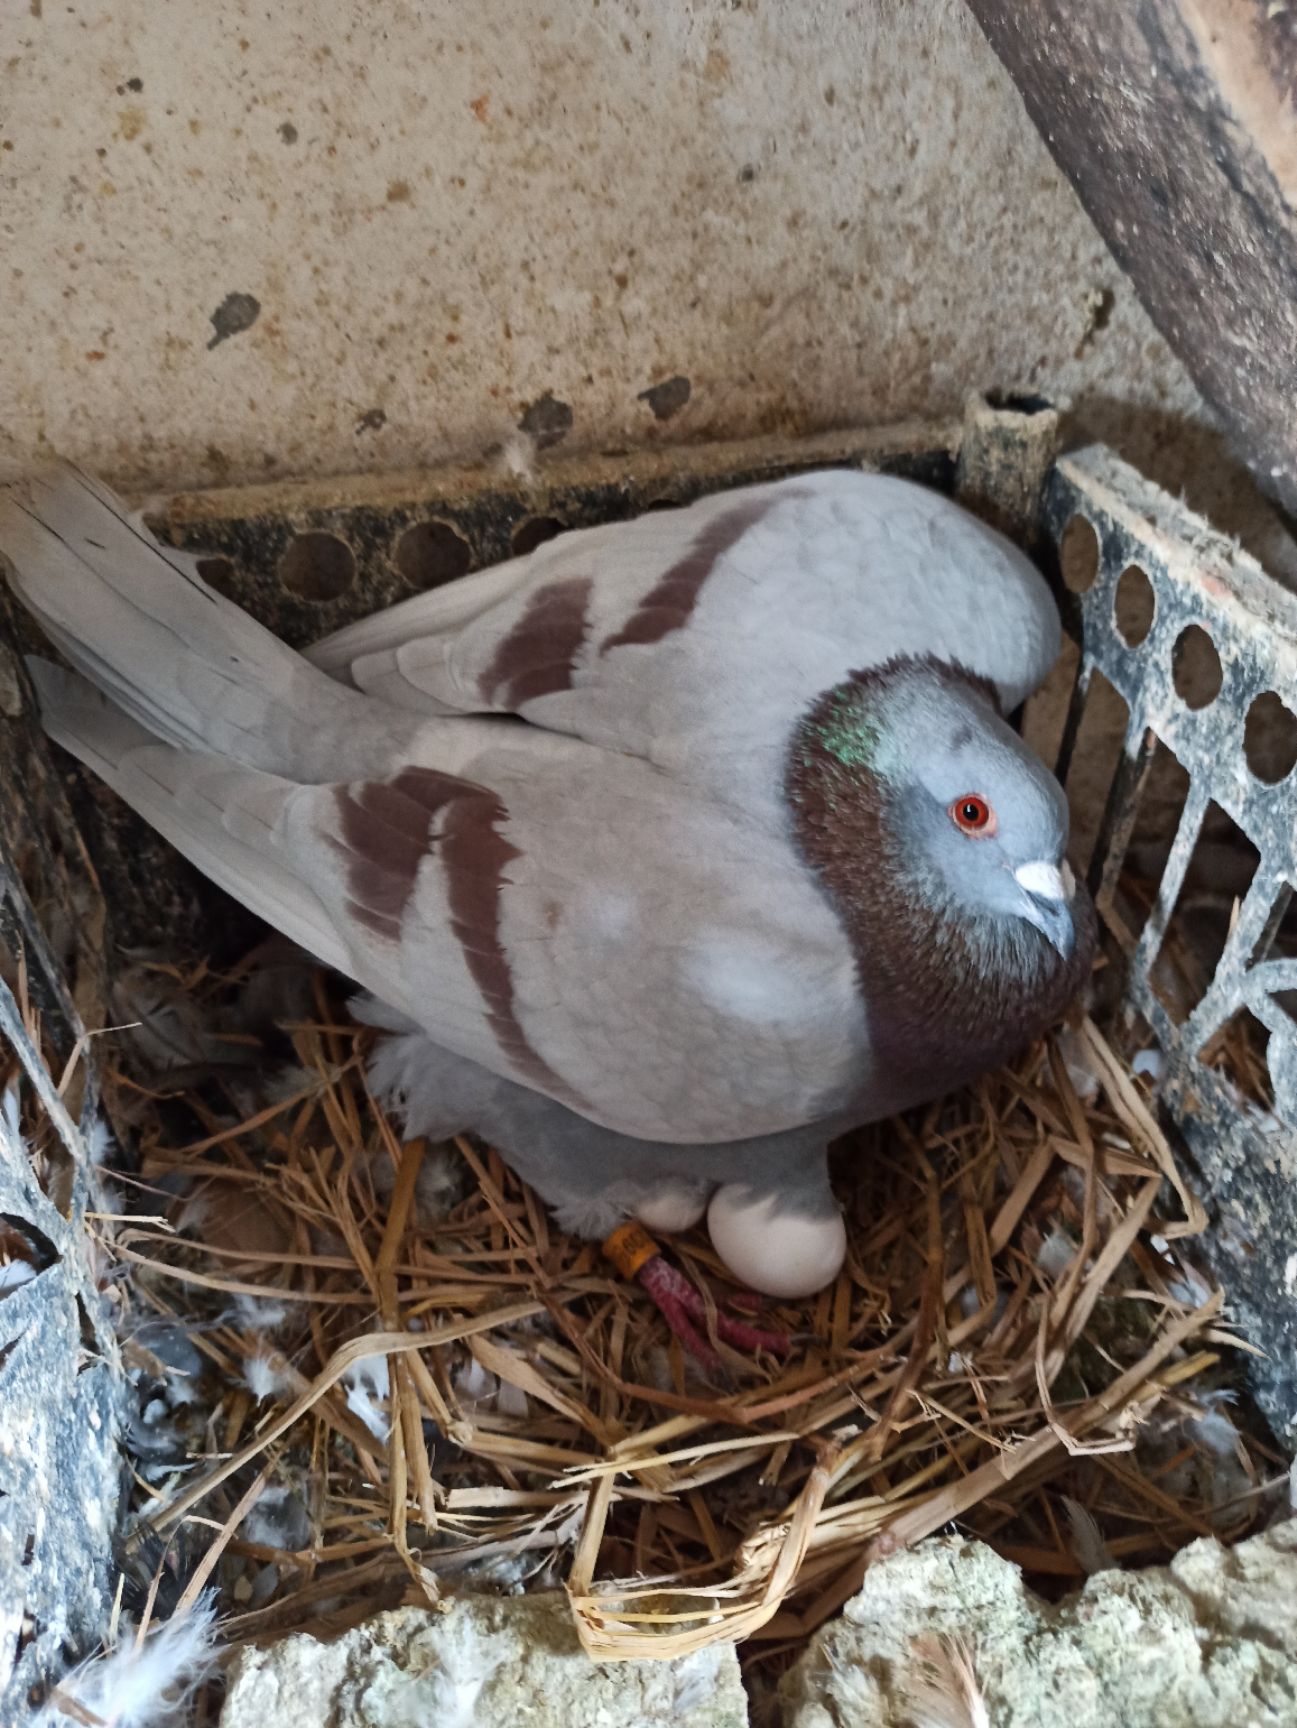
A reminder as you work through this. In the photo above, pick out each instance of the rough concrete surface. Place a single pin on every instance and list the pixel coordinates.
(242, 240)
(1209, 1641)
(480, 1663)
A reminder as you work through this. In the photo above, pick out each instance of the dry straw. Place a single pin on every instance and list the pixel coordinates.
(1015, 1318)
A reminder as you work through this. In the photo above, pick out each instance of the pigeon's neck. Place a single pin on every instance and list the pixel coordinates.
(949, 993)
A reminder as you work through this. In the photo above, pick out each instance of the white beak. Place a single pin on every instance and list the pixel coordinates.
(1046, 881)
(1048, 891)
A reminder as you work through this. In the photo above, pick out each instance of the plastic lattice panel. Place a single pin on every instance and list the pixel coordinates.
(1201, 648)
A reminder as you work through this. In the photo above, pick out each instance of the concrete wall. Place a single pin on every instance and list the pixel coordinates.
(243, 240)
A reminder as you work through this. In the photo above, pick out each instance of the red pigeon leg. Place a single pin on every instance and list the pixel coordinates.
(634, 1252)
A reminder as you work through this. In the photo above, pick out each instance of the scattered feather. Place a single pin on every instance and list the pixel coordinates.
(944, 1691)
(367, 1383)
(1215, 1430)
(259, 1313)
(448, 1695)
(137, 1686)
(266, 1376)
(1056, 1253)
(1079, 1065)
(511, 1401)
(278, 1520)
(13, 1273)
(516, 456)
(1092, 1552)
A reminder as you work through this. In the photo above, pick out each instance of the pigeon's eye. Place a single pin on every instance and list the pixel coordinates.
(973, 815)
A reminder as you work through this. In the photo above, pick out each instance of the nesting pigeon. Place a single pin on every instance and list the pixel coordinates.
(667, 852)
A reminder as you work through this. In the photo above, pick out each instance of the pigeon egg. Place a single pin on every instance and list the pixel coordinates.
(774, 1251)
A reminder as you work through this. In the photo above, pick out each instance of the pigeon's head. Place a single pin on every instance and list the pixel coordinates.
(939, 831)
(979, 822)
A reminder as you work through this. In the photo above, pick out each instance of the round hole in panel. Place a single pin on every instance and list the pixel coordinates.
(433, 552)
(1195, 667)
(1270, 738)
(533, 531)
(1134, 605)
(218, 573)
(317, 566)
(1078, 555)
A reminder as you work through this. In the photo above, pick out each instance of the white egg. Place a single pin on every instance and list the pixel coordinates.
(774, 1251)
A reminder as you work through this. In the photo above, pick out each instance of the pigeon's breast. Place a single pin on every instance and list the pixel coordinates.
(677, 966)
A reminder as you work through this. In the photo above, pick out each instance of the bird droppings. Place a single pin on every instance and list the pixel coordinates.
(668, 398)
(547, 420)
(235, 314)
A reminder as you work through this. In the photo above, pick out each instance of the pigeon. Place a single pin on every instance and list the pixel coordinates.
(663, 854)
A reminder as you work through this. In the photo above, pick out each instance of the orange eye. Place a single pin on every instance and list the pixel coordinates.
(973, 815)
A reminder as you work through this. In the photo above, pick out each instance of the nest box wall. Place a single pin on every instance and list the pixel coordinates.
(241, 243)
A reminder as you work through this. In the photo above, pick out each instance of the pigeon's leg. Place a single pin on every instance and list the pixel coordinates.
(678, 1204)
(597, 1181)
(635, 1254)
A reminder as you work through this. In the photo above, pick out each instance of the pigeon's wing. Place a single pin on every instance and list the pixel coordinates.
(697, 638)
(563, 918)
(186, 663)
(671, 959)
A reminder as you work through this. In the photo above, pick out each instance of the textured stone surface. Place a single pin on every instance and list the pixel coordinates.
(61, 1400)
(1207, 1642)
(248, 239)
(62, 1392)
(481, 1663)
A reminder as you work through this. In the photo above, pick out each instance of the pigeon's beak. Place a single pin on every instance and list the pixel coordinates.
(1048, 890)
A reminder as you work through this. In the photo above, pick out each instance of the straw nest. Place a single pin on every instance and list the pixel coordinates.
(402, 1378)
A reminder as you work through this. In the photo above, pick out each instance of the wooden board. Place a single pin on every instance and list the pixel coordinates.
(1174, 120)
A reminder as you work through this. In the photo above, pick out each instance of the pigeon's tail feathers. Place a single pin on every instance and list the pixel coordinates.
(189, 665)
(222, 818)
